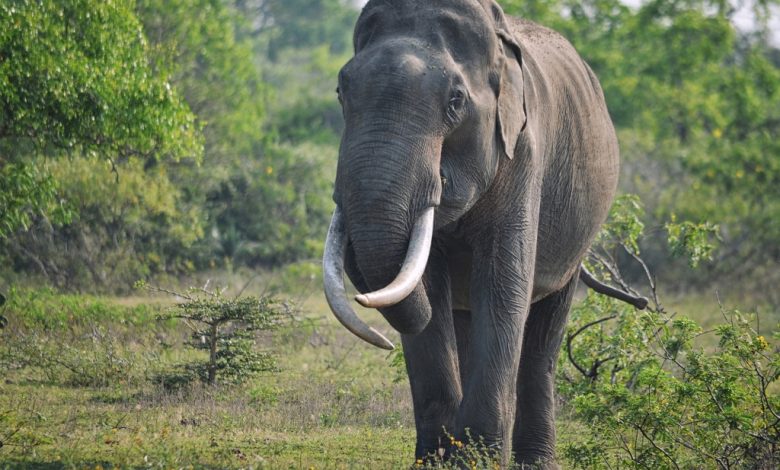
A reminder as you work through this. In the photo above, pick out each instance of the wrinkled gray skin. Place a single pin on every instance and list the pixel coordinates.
(500, 125)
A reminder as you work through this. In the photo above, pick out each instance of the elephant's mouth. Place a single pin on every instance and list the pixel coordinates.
(396, 291)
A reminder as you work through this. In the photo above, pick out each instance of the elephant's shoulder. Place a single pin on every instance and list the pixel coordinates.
(533, 34)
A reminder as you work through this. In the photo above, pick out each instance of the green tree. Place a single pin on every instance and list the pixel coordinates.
(212, 68)
(272, 205)
(264, 198)
(225, 329)
(75, 79)
(76, 74)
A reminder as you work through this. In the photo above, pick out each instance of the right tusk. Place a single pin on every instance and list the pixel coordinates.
(335, 293)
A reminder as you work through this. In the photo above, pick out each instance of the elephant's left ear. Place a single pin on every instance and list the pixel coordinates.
(511, 114)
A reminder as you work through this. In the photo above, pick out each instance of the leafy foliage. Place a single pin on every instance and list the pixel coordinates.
(76, 75)
(71, 340)
(212, 67)
(691, 240)
(28, 192)
(92, 362)
(651, 398)
(649, 393)
(76, 80)
(278, 209)
(397, 363)
(266, 200)
(124, 230)
(251, 200)
(625, 225)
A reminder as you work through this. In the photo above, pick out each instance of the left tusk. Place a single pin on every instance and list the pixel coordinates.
(412, 269)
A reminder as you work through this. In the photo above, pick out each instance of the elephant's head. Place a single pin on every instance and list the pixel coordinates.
(432, 101)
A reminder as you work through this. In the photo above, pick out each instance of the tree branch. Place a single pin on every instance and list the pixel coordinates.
(570, 337)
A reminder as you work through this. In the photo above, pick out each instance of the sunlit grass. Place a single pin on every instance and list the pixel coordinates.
(332, 405)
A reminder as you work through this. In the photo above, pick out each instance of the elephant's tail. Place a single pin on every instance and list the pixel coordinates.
(601, 288)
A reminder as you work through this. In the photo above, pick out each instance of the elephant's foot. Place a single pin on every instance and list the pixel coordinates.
(432, 451)
(536, 463)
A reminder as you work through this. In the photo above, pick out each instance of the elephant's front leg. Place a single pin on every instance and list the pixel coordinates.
(500, 297)
(432, 364)
(534, 430)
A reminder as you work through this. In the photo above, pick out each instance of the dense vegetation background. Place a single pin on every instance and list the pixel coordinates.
(151, 137)
(173, 140)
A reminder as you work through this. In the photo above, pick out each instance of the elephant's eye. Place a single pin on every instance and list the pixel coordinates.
(456, 104)
(338, 93)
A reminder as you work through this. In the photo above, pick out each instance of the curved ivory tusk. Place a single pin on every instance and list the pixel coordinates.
(412, 269)
(333, 277)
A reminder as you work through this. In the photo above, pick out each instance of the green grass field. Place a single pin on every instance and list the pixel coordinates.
(335, 402)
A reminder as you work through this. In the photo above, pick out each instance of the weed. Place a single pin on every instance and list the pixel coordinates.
(91, 360)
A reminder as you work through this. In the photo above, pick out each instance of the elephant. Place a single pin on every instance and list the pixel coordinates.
(476, 166)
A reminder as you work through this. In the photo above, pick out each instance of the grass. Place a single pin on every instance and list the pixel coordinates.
(334, 403)
(77, 428)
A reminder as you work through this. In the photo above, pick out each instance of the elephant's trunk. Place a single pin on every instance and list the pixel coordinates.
(389, 264)
(411, 271)
(404, 284)
(387, 188)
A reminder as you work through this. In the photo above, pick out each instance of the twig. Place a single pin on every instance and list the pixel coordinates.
(246, 284)
(169, 292)
(611, 267)
(650, 278)
(652, 442)
(764, 386)
(570, 338)
(114, 169)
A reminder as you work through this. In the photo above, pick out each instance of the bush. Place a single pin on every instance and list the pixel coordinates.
(225, 329)
(94, 361)
(275, 209)
(651, 398)
(73, 340)
(126, 228)
(652, 388)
